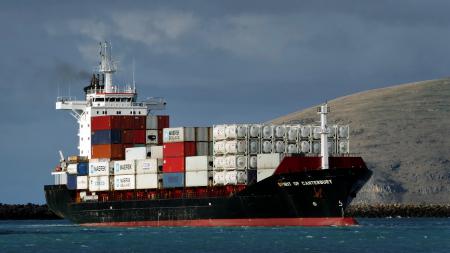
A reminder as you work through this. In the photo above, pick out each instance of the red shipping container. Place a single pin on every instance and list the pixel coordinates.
(106, 123)
(160, 137)
(127, 137)
(139, 136)
(163, 121)
(178, 149)
(139, 122)
(111, 151)
(173, 164)
(127, 122)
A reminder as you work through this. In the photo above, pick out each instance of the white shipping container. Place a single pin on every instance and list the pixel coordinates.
(197, 178)
(254, 130)
(267, 132)
(198, 163)
(236, 147)
(269, 161)
(202, 148)
(124, 182)
(279, 147)
(235, 131)
(253, 162)
(292, 149)
(152, 122)
(305, 147)
(266, 147)
(147, 181)
(99, 183)
(262, 174)
(219, 132)
(60, 178)
(219, 177)
(280, 131)
(219, 147)
(127, 167)
(305, 131)
(82, 183)
(156, 152)
(72, 168)
(236, 162)
(178, 134)
(253, 146)
(292, 133)
(99, 168)
(152, 137)
(147, 166)
(202, 133)
(135, 153)
(220, 162)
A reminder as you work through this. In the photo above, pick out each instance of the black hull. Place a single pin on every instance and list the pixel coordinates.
(310, 194)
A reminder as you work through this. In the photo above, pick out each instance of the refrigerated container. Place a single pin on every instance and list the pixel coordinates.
(147, 181)
(82, 183)
(176, 149)
(147, 166)
(99, 183)
(99, 168)
(178, 134)
(135, 153)
(269, 161)
(173, 180)
(174, 164)
(155, 152)
(126, 167)
(124, 182)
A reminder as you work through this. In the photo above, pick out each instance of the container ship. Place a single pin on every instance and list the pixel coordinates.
(134, 169)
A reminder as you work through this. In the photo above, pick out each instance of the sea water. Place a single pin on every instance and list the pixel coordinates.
(372, 235)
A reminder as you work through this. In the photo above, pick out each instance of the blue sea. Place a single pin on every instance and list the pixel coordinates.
(372, 235)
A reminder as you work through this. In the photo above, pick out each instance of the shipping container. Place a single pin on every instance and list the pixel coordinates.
(147, 166)
(235, 131)
(177, 149)
(202, 134)
(236, 162)
(155, 152)
(219, 177)
(71, 182)
(139, 136)
(219, 132)
(178, 134)
(136, 153)
(127, 122)
(83, 168)
(199, 163)
(163, 121)
(269, 161)
(106, 137)
(173, 180)
(254, 130)
(77, 159)
(127, 136)
(82, 183)
(154, 137)
(152, 122)
(267, 132)
(111, 151)
(99, 168)
(99, 183)
(279, 131)
(198, 178)
(292, 133)
(147, 181)
(236, 147)
(139, 122)
(126, 167)
(60, 178)
(264, 173)
(72, 168)
(202, 148)
(99, 123)
(124, 182)
(174, 164)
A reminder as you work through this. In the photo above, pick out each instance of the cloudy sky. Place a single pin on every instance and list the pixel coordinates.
(213, 61)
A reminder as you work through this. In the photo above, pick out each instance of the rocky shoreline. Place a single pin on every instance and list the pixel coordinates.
(41, 212)
(398, 210)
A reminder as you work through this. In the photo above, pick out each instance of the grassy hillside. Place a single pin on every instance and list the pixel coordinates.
(403, 134)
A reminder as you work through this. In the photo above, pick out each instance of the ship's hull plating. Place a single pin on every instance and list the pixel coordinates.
(310, 198)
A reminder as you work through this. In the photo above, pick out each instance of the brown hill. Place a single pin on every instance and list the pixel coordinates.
(403, 134)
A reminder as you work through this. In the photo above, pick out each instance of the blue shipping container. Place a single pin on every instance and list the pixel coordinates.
(71, 182)
(106, 137)
(83, 169)
(172, 180)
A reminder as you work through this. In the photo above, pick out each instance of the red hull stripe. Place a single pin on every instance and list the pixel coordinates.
(267, 222)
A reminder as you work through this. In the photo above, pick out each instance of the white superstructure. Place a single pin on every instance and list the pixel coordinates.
(104, 98)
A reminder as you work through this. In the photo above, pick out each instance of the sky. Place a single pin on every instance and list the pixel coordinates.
(213, 61)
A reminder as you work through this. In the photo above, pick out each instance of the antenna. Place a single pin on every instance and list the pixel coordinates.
(134, 81)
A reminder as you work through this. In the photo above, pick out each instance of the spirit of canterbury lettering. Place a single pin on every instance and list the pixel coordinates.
(305, 183)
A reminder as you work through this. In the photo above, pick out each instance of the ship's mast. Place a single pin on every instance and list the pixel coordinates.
(107, 66)
(323, 111)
